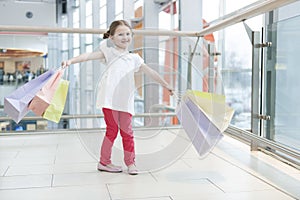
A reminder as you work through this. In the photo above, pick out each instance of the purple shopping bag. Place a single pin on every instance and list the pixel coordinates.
(15, 104)
(203, 134)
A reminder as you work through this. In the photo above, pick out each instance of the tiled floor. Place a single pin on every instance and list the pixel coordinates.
(63, 166)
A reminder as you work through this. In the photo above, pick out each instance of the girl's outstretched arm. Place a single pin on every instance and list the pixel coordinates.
(83, 57)
(155, 76)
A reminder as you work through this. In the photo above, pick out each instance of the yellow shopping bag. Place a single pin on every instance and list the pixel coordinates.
(56, 107)
(213, 106)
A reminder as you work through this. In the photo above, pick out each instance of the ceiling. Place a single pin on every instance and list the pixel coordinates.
(18, 53)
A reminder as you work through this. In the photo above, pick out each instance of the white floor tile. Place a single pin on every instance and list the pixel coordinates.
(100, 178)
(28, 181)
(37, 151)
(253, 195)
(73, 179)
(94, 192)
(63, 166)
(150, 198)
(149, 190)
(3, 170)
(30, 169)
(37, 160)
(5, 153)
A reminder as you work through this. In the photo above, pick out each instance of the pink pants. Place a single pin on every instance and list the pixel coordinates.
(116, 120)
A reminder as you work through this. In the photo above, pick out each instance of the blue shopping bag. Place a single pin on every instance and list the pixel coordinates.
(16, 103)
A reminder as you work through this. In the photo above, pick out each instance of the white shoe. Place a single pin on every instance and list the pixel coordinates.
(109, 168)
(132, 170)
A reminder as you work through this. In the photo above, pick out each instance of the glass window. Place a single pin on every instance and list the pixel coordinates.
(103, 3)
(119, 16)
(103, 16)
(89, 8)
(76, 3)
(89, 48)
(138, 3)
(282, 83)
(65, 55)
(210, 10)
(119, 6)
(65, 41)
(64, 21)
(234, 66)
(88, 38)
(76, 18)
(76, 52)
(76, 40)
(233, 5)
(89, 21)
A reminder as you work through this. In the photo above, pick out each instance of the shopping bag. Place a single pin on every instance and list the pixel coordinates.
(56, 107)
(42, 99)
(213, 106)
(203, 134)
(16, 103)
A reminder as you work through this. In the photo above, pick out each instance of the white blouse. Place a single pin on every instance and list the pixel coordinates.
(116, 88)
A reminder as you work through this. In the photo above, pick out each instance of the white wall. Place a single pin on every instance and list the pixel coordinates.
(14, 13)
(37, 43)
(26, 41)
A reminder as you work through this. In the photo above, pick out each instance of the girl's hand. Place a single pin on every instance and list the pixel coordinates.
(66, 63)
(171, 90)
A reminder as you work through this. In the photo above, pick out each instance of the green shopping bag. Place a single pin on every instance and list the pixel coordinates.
(57, 105)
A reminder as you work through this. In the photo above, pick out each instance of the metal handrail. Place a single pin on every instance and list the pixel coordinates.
(43, 29)
(243, 134)
(244, 14)
(92, 116)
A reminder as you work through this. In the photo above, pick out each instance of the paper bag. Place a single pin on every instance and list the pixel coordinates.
(213, 106)
(56, 107)
(16, 104)
(203, 134)
(42, 99)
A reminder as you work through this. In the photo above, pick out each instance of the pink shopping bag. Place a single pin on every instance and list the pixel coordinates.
(16, 103)
(42, 99)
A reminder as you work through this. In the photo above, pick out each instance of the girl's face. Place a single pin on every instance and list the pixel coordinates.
(122, 37)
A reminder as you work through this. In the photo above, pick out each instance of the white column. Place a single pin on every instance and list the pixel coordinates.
(111, 11)
(83, 69)
(128, 10)
(190, 19)
(151, 57)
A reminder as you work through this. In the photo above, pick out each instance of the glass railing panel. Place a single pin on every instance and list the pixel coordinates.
(235, 67)
(282, 83)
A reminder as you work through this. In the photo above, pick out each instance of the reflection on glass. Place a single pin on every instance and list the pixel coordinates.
(284, 95)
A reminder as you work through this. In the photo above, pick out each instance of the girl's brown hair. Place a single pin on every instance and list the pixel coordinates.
(113, 26)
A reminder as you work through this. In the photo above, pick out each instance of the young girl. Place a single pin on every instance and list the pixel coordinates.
(116, 91)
